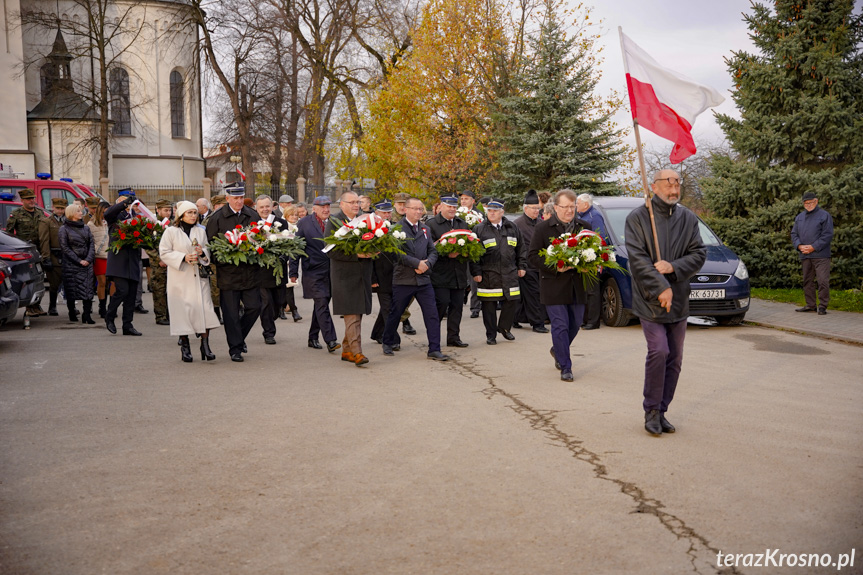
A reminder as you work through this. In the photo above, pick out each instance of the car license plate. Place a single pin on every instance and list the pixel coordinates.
(38, 268)
(707, 294)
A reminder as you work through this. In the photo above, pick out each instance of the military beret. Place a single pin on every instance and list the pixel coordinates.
(59, 202)
(26, 194)
(163, 203)
(401, 197)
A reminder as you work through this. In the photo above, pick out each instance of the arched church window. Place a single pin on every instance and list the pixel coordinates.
(178, 106)
(120, 102)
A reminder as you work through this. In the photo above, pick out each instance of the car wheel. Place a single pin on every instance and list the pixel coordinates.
(730, 319)
(613, 314)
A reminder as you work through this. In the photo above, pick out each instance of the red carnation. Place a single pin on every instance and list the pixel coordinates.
(368, 236)
(385, 230)
(260, 250)
(560, 264)
(134, 222)
(452, 240)
(136, 233)
(149, 226)
(605, 257)
(571, 242)
(244, 237)
(556, 242)
(256, 230)
(122, 236)
(238, 227)
(137, 241)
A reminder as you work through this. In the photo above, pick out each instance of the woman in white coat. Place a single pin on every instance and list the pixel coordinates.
(190, 307)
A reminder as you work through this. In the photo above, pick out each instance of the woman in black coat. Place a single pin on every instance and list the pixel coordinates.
(76, 243)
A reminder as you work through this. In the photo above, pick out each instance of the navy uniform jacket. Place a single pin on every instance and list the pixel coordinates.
(448, 273)
(419, 246)
(127, 263)
(316, 264)
(230, 277)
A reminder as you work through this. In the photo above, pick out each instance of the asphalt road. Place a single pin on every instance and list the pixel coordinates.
(117, 458)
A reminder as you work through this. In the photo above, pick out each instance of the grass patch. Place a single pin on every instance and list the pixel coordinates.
(840, 300)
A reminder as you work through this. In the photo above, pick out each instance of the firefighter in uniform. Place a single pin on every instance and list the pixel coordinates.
(498, 270)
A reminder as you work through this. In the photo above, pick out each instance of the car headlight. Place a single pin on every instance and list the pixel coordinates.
(741, 272)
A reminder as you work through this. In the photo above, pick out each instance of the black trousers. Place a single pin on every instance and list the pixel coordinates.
(489, 316)
(237, 328)
(288, 298)
(593, 308)
(271, 303)
(450, 304)
(125, 292)
(385, 300)
(529, 310)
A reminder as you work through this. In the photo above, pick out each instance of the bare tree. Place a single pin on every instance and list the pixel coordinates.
(692, 170)
(109, 36)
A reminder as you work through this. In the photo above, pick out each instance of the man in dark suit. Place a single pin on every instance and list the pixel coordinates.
(237, 283)
(560, 290)
(412, 279)
(124, 268)
(449, 276)
(271, 294)
(316, 273)
(382, 280)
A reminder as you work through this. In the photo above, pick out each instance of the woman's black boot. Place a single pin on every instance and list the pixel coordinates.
(102, 307)
(206, 353)
(88, 309)
(73, 313)
(185, 349)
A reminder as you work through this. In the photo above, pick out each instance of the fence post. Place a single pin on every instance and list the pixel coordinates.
(208, 182)
(301, 189)
(103, 184)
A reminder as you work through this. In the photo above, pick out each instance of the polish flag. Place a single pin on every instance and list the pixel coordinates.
(242, 175)
(663, 101)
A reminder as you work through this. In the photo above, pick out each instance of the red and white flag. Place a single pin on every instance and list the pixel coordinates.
(242, 175)
(664, 101)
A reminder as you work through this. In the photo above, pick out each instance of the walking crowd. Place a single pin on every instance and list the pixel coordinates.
(510, 285)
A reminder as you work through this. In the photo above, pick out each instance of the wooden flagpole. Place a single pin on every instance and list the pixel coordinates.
(647, 201)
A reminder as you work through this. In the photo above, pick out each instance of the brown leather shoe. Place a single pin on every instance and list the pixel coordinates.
(348, 356)
(360, 359)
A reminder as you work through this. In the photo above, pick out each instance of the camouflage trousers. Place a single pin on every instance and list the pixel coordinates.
(158, 284)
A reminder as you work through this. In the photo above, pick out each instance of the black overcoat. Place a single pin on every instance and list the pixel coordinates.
(448, 273)
(127, 263)
(350, 276)
(229, 276)
(76, 243)
(555, 288)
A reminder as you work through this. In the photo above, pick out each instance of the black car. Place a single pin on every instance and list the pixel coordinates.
(719, 291)
(8, 297)
(25, 263)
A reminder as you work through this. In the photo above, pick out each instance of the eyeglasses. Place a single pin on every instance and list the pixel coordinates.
(569, 208)
(671, 181)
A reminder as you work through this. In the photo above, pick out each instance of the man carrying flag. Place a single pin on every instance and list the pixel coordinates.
(667, 104)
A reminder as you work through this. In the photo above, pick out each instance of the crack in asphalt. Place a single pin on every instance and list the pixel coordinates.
(543, 421)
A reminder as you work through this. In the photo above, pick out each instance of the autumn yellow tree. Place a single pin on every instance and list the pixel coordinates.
(429, 127)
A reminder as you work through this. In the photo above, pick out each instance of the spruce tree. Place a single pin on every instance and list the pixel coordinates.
(554, 133)
(801, 130)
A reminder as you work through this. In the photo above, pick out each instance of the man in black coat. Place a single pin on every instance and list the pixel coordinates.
(351, 276)
(382, 280)
(560, 290)
(449, 275)
(529, 309)
(660, 290)
(412, 279)
(316, 273)
(237, 283)
(498, 270)
(124, 268)
(271, 294)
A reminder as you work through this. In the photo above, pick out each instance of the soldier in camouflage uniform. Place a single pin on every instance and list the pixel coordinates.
(217, 202)
(49, 246)
(24, 224)
(158, 282)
